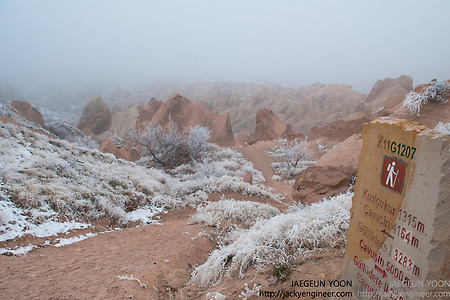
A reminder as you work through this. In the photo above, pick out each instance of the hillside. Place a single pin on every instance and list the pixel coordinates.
(73, 210)
(79, 223)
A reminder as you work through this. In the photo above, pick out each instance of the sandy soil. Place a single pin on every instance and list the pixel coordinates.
(90, 269)
(161, 256)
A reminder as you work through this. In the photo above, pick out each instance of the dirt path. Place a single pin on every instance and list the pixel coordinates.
(257, 155)
(158, 255)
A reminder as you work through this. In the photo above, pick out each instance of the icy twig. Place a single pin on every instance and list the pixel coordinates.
(131, 278)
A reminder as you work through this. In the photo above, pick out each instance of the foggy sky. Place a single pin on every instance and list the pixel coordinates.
(292, 43)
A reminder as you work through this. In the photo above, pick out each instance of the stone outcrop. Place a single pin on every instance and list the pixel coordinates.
(331, 175)
(269, 126)
(96, 116)
(28, 112)
(186, 115)
(337, 131)
(385, 98)
(107, 146)
(147, 112)
(124, 121)
(386, 89)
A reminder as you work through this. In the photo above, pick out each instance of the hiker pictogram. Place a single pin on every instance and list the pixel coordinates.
(393, 174)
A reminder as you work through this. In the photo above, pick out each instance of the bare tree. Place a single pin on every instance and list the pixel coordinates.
(294, 151)
(168, 149)
(172, 148)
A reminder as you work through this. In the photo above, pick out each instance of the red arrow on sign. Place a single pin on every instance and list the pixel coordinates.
(382, 272)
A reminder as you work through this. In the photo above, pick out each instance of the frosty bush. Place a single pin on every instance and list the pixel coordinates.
(295, 157)
(197, 138)
(224, 183)
(243, 213)
(168, 149)
(248, 293)
(282, 239)
(437, 91)
(208, 168)
(171, 149)
(216, 163)
(295, 151)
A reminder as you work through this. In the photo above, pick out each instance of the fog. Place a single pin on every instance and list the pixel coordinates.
(291, 43)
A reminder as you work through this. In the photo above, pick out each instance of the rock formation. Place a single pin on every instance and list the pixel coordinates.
(67, 131)
(386, 89)
(28, 112)
(96, 116)
(107, 146)
(385, 97)
(337, 131)
(303, 108)
(124, 121)
(321, 179)
(269, 126)
(147, 112)
(186, 115)
(331, 175)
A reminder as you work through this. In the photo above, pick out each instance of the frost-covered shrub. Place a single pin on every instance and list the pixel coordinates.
(242, 213)
(209, 169)
(294, 151)
(437, 91)
(216, 163)
(290, 158)
(247, 292)
(197, 141)
(282, 239)
(173, 148)
(224, 183)
(166, 148)
(215, 296)
(234, 163)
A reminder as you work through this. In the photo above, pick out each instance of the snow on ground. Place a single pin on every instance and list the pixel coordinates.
(51, 186)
